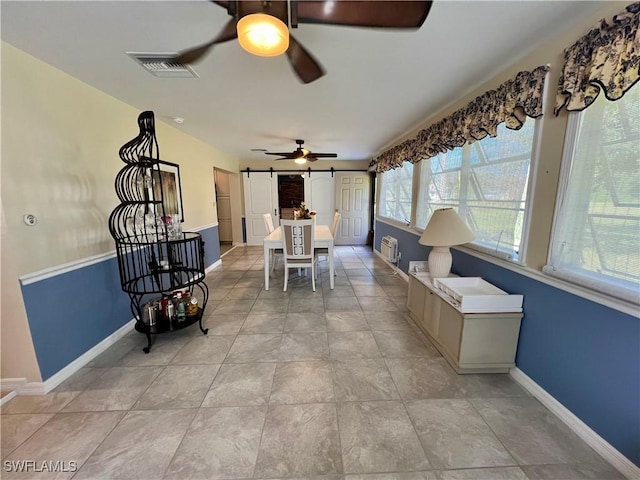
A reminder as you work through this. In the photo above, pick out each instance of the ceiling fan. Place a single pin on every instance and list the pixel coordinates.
(301, 155)
(392, 14)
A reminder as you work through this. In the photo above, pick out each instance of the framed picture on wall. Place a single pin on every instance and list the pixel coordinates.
(166, 185)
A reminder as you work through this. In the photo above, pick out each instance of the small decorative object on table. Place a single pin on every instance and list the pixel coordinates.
(303, 213)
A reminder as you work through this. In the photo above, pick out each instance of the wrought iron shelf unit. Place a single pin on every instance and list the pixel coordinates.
(155, 258)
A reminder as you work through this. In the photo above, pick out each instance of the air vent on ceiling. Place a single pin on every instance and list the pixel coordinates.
(163, 65)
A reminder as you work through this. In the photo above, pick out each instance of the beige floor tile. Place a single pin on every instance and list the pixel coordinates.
(69, 438)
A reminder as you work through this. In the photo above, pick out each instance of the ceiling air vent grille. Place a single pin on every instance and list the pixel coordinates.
(163, 65)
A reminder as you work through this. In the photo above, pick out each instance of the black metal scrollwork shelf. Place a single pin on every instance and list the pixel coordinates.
(155, 258)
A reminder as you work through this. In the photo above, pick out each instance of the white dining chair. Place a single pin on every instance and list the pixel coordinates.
(277, 252)
(324, 252)
(298, 239)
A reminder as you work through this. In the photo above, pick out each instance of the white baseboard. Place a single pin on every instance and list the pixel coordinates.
(595, 441)
(42, 388)
(233, 247)
(11, 385)
(395, 268)
(7, 397)
(213, 266)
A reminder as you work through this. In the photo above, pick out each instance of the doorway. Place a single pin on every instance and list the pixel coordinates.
(223, 208)
(290, 194)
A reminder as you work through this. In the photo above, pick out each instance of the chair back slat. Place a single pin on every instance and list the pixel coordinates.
(336, 221)
(268, 222)
(298, 236)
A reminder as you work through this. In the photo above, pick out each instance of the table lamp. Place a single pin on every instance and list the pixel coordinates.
(445, 228)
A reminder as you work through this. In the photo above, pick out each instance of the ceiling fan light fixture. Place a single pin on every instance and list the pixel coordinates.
(263, 35)
(300, 161)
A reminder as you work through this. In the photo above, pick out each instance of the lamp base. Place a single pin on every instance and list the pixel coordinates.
(439, 262)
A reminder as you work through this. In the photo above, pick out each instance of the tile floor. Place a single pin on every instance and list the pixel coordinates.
(335, 384)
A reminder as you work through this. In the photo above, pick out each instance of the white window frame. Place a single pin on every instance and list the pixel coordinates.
(520, 258)
(404, 222)
(594, 283)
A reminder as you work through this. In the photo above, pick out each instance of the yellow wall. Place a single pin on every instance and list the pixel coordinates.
(552, 128)
(60, 142)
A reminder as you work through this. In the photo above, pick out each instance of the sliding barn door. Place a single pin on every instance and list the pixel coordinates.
(260, 197)
(319, 194)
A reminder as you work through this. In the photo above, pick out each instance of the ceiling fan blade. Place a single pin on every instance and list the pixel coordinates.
(306, 67)
(381, 14)
(229, 32)
(311, 158)
(283, 154)
(222, 3)
(324, 155)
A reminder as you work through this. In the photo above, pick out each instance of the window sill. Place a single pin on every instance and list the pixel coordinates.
(397, 224)
(597, 297)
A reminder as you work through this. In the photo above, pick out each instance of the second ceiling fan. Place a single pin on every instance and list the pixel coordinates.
(398, 14)
(301, 155)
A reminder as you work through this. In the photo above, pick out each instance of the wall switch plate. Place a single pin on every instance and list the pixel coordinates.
(30, 219)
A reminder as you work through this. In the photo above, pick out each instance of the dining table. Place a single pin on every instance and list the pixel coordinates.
(323, 239)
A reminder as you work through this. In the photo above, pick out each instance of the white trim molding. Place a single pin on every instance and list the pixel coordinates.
(595, 441)
(59, 377)
(45, 273)
(7, 397)
(42, 388)
(213, 266)
(395, 268)
(233, 247)
(34, 277)
(204, 227)
(11, 385)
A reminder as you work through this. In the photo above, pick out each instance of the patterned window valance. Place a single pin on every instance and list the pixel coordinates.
(510, 103)
(607, 57)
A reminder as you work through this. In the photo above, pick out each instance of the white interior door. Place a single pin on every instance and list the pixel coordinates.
(260, 197)
(319, 194)
(223, 206)
(352, 201)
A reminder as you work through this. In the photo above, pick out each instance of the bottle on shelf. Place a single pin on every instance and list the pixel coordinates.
(179, 308)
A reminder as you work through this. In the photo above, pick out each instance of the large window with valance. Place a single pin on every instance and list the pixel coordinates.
(596, 240)
(396, 188)
(476, 160)
(596, 236)
(487, 183)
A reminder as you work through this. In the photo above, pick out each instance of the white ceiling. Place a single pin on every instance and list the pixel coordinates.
(378, 86)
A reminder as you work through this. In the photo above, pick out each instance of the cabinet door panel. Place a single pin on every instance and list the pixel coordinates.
(490, 339)
(450, 329)
(415, 300)
(431, 315)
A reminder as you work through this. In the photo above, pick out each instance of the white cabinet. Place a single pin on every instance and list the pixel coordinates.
(471, 342)
(415, 300)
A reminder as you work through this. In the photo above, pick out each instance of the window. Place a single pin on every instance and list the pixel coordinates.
(486, 182)
(597, 226)
(395, 193)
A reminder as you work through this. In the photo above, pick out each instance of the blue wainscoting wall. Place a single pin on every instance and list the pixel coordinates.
(211, 238)
(72, 312)
(586, 355)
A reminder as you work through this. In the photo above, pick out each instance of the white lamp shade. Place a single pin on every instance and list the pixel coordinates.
(446, 228)
(263, 35)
